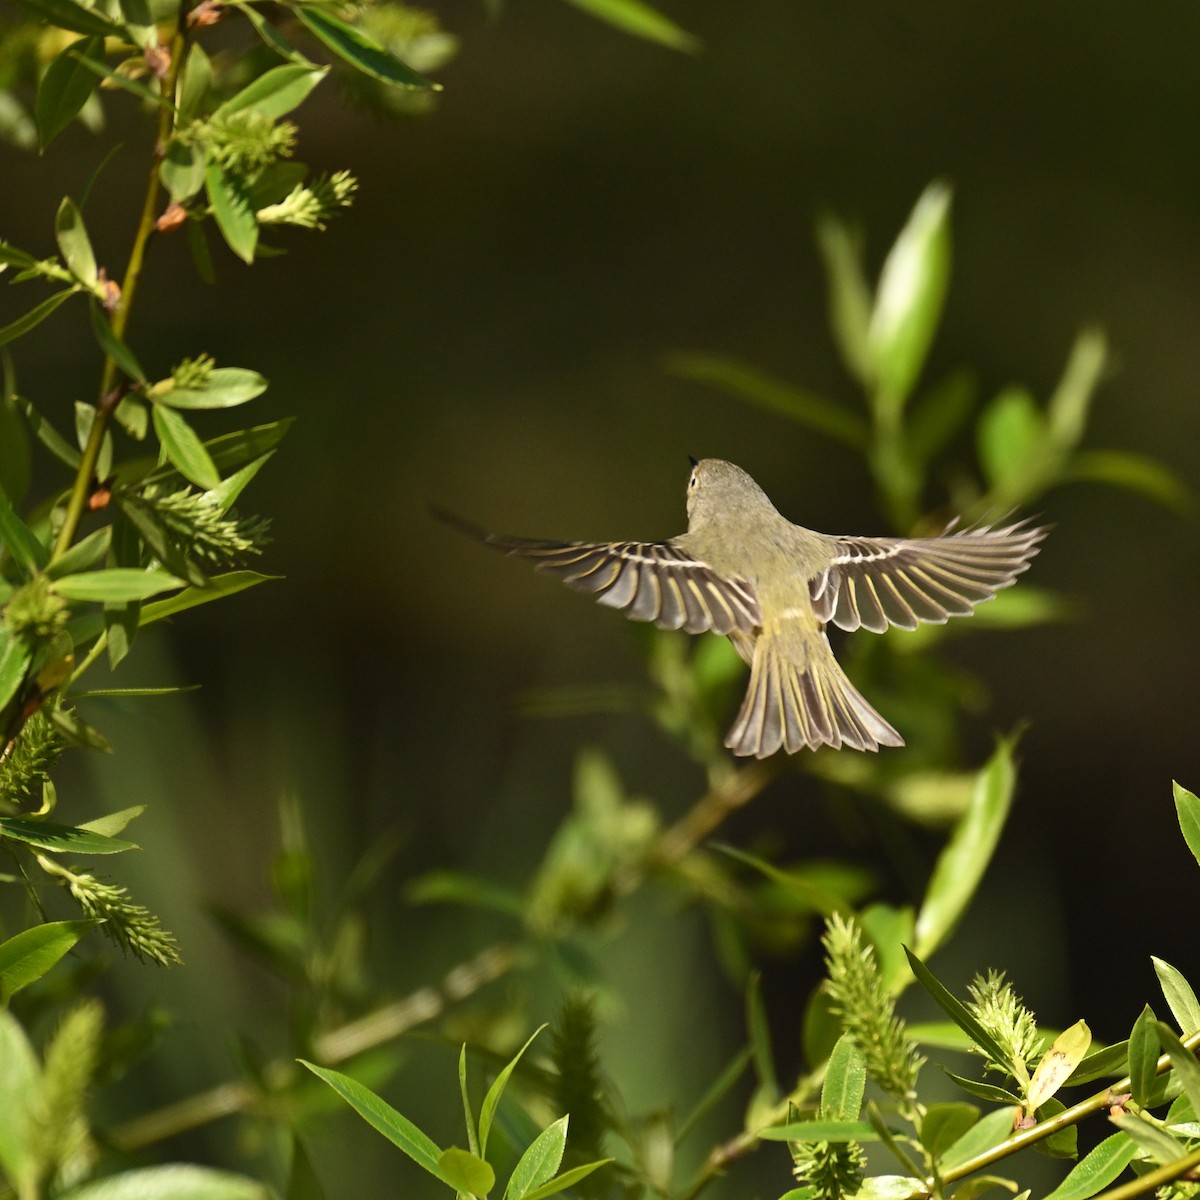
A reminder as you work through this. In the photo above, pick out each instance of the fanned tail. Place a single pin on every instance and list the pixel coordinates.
(803, 699)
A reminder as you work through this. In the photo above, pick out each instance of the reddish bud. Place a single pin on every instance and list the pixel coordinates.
(172, 217)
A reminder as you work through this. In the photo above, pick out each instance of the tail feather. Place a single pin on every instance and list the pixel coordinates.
(799, 700)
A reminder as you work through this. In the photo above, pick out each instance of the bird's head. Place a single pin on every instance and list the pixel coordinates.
(718, 492)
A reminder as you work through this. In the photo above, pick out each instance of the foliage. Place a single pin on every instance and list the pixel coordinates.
(142, 527)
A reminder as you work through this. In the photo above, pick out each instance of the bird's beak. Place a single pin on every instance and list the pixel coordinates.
(693, 460)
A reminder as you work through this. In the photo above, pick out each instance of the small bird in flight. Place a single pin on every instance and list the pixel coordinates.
(771, 587)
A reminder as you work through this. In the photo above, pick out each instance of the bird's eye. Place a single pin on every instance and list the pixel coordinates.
(692, 481)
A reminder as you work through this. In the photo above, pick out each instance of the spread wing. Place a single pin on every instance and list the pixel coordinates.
(649, 581)
(876, 582)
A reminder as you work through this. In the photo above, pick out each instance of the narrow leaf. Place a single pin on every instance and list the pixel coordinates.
(1180, 997)
(274, 93)
(61, 839)
(218, 586)
(845, 1082)
(965, 858)
(491, 1101)
(944, 1124)
(1067, 409)
(112, 823)
(632, 16)
(69, 15)
(48, 435)
(849, 295)
(820, 1131)
(225, 387)
(73, 241)
(173, 1181)
(716, 1092)
(1136, 473)
(63, 91)
(233, 212)
(360, 51)
(1158, 1145)
(28, 955)
(539, 1162)
(908, 301)
(116, 585)
(955, 1009)
(15, 656)
(35, 316)
(271, 36)
(990, 1130)
(113, 346)
(182, 170)
(20, 1099)
(19, 540)
(1097, 1169)
(774, 395)
(82, 556)
(1143, 1056)
(1187, 809)
(399, 1130)
(1110, 1061)
(983, 1091)
(184, 448)
(567, 1179)
(1187, 1069)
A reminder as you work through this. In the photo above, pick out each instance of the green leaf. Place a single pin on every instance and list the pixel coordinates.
(1064, 1141)
(1187, 1069)
(491, 1101)
(112, 823)
(218, 586)
(908, 301)
(1057, 1064)
(466, 1171)
(984, 1091)
(82, 556)
(13, 256)
(61, 839)
(1187, 809)
(184, 448)
(74, 243)
(1111, 1060)
(174, 1181)
(182, 169)
(35, 316)
(979, 1184)
(20, 1098)
(849, 295)
(225, 387)
(1143, 1056)
(1067, 410)
(965, 857)
(399, 1130)
(19, 540)
(891, 1187)
(468, 1117)
(48, 435)
(807, 888)
(944, 1124)
(32, 952)
(1155, 1143)
(937, 415)
(759, 1031)
(236, 449)
(139, 22)
(1097, 1169)
(15, 655)
(196, 85)
(276, 92)
(232, 210)
(360, 51)
(1013, 443)
(539, 1162)
(116, 585)
(64, 89)
(956, 1010)
(990, 1130)
(1134, 472)
(455, 887)
(85, 418)
(632, 16)
(845, 1082)
(226, 493)
(271, 36)
(567, 1179)
(69, 15)
(820, 1131)
(775, 396)
(1180, 997)
(76, 731)
(158, 540)
(113, 346)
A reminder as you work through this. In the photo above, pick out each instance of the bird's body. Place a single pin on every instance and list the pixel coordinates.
(745, 571)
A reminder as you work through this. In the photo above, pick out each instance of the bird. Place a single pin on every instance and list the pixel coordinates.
(744, 571)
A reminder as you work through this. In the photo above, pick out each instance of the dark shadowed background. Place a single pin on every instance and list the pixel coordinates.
(486, 329)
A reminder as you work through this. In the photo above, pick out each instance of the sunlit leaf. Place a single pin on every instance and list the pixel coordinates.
(232, 211)
(1096, 1170)
(173, 1181)
(632, 16)
(69, 15)
(1143, 1056)
(466, 1172)
(1067, 409)
(849, 295)
(184, 448)
(224, 387)
(61, 839)
(360, 51)
(944, 1124)
(1013, 442)
(845, 1082)
(28, 955)
(1055, 1066)
(1155, 1143)
(1187, 809)
(539, 1162)
(487, 1110)
(1179, 995)
(116, 585)
(276, 92)
(956, 1010)
(20, 1102)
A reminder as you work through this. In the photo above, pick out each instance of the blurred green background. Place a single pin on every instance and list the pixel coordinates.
(486, 329)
